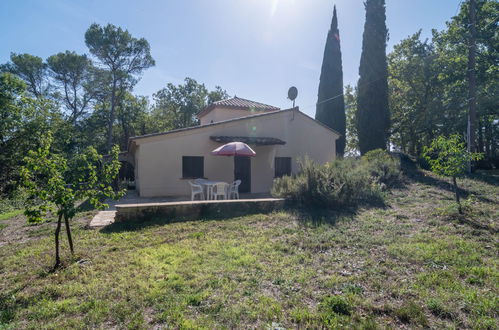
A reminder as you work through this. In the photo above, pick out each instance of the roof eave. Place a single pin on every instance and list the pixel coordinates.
(134, 138)
(213, 106)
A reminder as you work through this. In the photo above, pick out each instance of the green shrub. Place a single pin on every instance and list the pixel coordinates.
(336, 305)
(382, 166)
(344, 182)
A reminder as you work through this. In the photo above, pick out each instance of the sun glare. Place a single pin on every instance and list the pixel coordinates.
(273, 9)
(276, 4)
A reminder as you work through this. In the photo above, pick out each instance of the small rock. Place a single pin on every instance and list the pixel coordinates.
(83, 261)
(276, 326)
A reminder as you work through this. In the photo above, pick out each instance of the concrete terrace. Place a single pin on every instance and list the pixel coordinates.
(135, 206)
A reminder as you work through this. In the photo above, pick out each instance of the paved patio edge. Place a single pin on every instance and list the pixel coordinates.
(192, 210)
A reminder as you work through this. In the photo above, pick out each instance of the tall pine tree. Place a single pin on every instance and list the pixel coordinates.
(331, 104)
(373, 115)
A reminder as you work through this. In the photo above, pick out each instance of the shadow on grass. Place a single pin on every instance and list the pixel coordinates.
(13, 300)
(465, 220)
(305, 216)
(119, 227)
(413, 173)
(9, 306)
(319, 217)
(318, 214)
(154, 221)
(487, 176)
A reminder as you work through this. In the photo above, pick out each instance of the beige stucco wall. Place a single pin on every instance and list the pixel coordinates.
(222, 114)
(159, 158)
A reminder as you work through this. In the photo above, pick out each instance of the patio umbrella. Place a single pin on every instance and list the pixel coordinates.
(234, 149)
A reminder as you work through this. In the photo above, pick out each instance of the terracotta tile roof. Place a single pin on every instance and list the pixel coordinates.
(238, 103)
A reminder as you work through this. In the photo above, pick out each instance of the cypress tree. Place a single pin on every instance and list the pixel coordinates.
(373, 114)
(330, 104)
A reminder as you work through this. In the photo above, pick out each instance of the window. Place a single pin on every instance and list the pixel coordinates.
(282, 166)
(192, 167)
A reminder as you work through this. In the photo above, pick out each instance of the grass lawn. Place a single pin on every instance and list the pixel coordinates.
(10, 214)
(413, 263)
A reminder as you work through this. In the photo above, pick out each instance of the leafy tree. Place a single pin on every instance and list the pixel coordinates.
(449, 157)
(11, 104)
(452, 48)
(415, 94)
(93, 130)
(132, 116)
(32, 70)
(12, 113)
(330, 103)
(73, 74)
(373, 116)
(217, 94)
(352, 142)
(23, 120)
(176, 106)
(124, 56)
(53, 181)
(428, 83)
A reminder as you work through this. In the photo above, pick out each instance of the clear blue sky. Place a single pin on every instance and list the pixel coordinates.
(255, 49)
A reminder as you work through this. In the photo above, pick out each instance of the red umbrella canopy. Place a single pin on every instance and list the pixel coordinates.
(234, 149)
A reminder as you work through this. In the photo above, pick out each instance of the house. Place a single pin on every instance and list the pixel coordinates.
(164, 162)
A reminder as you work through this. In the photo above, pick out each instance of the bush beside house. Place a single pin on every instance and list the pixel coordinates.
(343, 182)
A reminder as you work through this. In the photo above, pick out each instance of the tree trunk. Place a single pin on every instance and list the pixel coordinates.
(472, 79)
(126, 132)
(480, 137)
(110, 123)
(456, 190)
(68, 231)
(488, 139)
(57, 231)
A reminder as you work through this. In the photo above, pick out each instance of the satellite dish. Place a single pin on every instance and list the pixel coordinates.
(292, 94)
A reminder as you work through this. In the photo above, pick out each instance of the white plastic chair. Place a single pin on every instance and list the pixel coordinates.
(220, 189)
(234, 189)
(196, 189)
(199, 181)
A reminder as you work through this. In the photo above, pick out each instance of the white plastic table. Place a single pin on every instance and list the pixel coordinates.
(209, 187)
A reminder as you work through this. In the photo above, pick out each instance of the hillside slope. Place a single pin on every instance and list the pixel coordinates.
(413, 263)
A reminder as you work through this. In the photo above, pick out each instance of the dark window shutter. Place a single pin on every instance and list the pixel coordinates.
(192, 167)
(282, 166)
